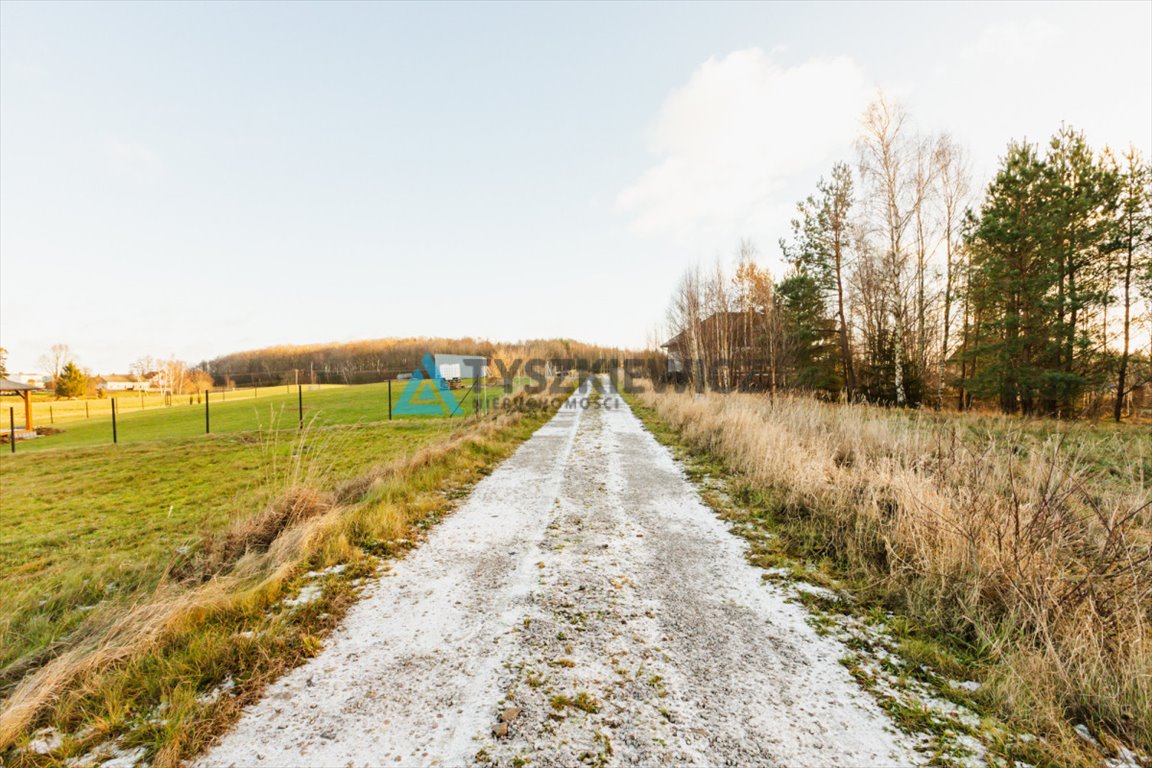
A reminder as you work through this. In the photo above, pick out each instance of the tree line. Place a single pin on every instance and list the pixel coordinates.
(905, 288)
(370, 360)
(356, 362)
(66, 378)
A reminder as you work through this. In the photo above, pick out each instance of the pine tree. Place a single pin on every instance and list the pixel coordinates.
(1039, 283)
(821, 240)
(71, 382)
(1078, 195)
(811, 334)
(1133, 245)
(1009, 281)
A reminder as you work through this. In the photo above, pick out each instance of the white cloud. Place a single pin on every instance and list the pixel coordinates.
(1023, 79)
(1013, 43)
(738, 144)
(133, 162)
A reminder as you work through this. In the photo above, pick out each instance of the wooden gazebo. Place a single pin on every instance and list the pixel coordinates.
(7, 386)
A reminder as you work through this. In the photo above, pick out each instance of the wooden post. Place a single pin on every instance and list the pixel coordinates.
(389, 399)
(141, 399)
(28, 410)
(114, 436)
(87, 415)
(51, 414)
(300, 401)
(12, 428)
(207, 415)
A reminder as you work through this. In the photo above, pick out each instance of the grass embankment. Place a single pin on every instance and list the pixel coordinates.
(232, 412)
(1015, 553)
(139, 581)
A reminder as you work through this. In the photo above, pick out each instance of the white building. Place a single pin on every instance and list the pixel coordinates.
(35, 379)
(123, 382)
(461, 366)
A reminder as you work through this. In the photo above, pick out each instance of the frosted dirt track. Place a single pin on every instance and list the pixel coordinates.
(582, 606)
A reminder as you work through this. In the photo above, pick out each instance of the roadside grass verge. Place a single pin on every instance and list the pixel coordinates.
(1013, 554)
(153, 601)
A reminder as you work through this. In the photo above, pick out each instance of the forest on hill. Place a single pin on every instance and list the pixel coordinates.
(361, 362)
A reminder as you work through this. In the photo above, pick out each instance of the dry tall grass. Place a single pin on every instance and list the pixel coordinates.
(1033, 546)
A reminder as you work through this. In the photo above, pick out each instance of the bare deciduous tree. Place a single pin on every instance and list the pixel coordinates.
(884, 167)
(954, 194)
(53, 362)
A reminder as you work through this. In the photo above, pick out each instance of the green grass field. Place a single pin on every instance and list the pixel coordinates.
(84, 526)
(83, 521)
(48, 411)
(89, 532)
(236, 411)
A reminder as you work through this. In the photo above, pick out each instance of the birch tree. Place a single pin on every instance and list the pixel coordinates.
(953, 183)
(884, 168)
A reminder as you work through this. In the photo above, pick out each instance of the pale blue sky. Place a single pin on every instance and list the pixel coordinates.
(191, 179)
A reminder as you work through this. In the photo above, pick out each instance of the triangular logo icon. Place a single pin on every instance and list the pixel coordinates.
(427, 394)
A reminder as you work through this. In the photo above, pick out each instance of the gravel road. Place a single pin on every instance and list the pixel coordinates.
(583, 606)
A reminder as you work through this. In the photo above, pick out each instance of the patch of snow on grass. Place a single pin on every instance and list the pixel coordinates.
(310, 593)
(45, 740)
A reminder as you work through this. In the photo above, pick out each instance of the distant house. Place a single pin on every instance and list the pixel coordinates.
(157, 381)
(730, 331)
(451, 367)
(1139, 400)
(124, 382)
(677, 350)
(724, 342)
(38, 380)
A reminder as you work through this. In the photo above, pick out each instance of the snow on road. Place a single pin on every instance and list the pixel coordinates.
(582, 606)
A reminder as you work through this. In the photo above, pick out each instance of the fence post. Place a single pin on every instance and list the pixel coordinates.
(51, 414)
(87, 415)
(207, 415)
(300, 402)
(12, 428)
(114, 436)
(141, 399)
(389, 399)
